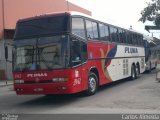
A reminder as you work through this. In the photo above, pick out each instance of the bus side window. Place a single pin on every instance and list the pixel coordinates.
(134, 39)
(78, 52)
(140, 40)
(75, 52)
(95, 30)
(124, 36)
(121, 36)
(78, 27)
(128, 37)
(104, 32)
(114, 34)
(92, 30)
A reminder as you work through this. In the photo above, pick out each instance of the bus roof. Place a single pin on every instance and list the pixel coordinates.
(74, 13)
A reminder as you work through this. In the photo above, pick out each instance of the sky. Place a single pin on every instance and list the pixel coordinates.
(123, 13)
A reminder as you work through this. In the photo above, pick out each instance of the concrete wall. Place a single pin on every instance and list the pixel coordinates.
(17, 9)
(1, 20)
(6, 64)
(73, 7)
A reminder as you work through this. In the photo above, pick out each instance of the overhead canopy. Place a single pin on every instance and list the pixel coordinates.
(152, 28)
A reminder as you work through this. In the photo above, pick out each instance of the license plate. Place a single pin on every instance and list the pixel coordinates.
(38, 89)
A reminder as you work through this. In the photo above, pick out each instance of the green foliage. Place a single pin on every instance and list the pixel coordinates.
(151, 12)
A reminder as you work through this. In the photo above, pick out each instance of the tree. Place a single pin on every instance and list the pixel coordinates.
(151, 12)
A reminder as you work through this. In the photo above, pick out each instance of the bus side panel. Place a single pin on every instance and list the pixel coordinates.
(114, 61)
(99, 55)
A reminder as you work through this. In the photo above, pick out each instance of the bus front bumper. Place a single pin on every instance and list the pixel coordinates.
(43, 88)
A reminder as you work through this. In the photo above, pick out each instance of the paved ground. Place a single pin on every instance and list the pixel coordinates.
(5, 82)
(137, 96)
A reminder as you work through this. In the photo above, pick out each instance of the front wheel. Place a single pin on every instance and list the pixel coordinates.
(92, 84)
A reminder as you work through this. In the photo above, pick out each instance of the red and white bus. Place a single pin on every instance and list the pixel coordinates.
(65, 53)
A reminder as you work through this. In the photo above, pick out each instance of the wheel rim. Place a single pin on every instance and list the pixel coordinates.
(92, 84)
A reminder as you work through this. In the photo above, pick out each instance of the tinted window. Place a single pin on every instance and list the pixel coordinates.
(114, 34)
(121, 35)
(95, 30)
(104, 33)
(78, 52)
(124, 36)
(75, 52)
(129, 37)
(78, 27)
(42, 26)
(134, 39)
(140, 39)
(92, 31)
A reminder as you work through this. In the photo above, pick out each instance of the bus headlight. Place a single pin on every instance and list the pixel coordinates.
(60, 79)
(19, 81)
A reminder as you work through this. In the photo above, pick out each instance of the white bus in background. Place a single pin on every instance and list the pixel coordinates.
(151, 56)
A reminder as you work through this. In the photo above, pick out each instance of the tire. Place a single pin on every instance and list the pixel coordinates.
(92, 84)
(137, 71)
(150, 67)
(133, 73)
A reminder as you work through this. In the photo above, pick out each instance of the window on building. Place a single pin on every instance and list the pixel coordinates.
(78, 27)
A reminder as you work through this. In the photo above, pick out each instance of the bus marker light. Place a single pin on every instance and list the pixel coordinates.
(19, 81)
(19, 89)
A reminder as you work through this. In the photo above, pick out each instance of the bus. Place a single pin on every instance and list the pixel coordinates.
(151, 54)
(69, 52)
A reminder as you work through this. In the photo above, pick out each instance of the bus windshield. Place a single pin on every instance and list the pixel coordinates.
(42, 26)
(43, 53)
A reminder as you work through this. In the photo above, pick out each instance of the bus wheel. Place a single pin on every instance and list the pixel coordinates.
(133, 72)
(92, 84)
(137, 71)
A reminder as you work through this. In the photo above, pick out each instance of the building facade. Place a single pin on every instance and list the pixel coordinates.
(13, 10)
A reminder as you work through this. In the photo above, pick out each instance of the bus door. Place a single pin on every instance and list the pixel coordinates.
(78, 60)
